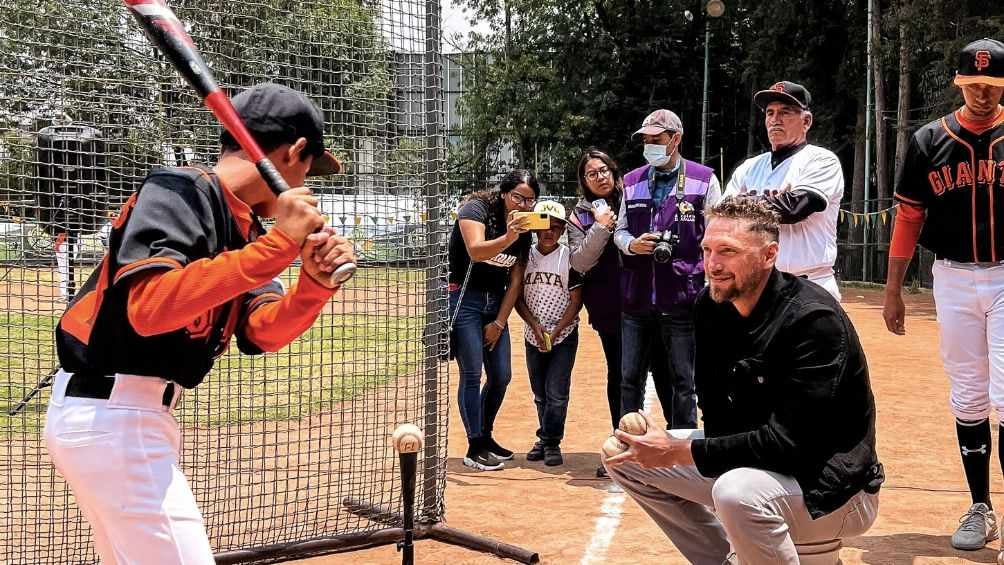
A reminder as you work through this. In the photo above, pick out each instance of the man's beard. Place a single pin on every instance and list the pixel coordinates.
(737, 289)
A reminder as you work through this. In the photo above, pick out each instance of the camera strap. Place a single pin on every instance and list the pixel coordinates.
(681, 180)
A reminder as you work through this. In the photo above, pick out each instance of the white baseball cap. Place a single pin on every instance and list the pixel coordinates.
(550, 208)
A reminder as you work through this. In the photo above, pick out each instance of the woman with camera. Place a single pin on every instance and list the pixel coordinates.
(487, 256)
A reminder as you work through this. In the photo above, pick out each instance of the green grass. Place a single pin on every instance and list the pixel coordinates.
(387, 276)
(340, 358)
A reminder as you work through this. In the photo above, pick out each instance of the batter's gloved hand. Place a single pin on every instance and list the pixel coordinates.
(297, 215)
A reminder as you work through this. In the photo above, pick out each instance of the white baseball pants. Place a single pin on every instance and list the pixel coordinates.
(824, 277)
(120, 458)
(969, 300)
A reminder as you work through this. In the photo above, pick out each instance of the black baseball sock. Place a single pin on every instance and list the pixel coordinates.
(1000, 447)
(974, 445)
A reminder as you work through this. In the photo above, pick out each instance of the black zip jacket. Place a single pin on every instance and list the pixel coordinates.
(786, 390)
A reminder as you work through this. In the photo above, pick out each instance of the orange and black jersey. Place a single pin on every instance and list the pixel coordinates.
(188, 267)
(954, 169)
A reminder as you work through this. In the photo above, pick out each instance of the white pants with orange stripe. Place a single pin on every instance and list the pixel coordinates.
(969, 299)
(120, 458)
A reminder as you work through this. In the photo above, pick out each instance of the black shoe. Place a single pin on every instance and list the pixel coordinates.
(482, 460)
(601, 472)
(552, 456)
(536, 452)
(500, 453)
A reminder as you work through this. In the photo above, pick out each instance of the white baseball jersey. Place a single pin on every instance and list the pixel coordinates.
(809, 246)
(547, 283)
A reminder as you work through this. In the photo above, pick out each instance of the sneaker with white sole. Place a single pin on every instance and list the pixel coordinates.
(493, 447)
(977, 527)
(482, 460)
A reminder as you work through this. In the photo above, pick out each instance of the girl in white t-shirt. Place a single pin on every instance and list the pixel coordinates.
(550, 304)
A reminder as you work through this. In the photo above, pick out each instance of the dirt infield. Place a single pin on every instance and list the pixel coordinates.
(556, 511)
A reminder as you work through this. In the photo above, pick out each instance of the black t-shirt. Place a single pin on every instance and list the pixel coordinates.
(956, 175)
(491, 275)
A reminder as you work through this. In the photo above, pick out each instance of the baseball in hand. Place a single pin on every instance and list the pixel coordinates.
(633, 423)
(408, 438)
(613, 446)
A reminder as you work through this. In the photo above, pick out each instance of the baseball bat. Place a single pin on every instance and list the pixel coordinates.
(167, 33)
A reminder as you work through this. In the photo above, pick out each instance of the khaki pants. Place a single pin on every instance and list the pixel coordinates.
(759, 515)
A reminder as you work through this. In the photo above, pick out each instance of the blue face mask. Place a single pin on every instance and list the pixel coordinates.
(656, 155)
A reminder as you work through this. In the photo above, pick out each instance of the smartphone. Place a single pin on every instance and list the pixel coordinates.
(600, 204)
(535, 220)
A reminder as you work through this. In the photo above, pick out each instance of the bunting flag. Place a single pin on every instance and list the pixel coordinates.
(868, 218)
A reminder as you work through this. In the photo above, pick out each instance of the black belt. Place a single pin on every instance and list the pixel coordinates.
(100, 387)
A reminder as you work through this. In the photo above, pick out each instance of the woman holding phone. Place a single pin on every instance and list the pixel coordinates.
(591, 228)
(487, 256)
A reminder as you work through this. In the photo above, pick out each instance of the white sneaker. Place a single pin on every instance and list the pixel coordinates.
(483, 461)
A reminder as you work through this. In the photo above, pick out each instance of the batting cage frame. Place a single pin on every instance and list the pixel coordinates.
(288, 454)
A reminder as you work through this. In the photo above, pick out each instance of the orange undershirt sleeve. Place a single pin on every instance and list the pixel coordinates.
(162, 301)
(906, 231)
(276, 324)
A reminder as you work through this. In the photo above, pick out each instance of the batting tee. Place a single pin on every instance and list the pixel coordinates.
(287, 452)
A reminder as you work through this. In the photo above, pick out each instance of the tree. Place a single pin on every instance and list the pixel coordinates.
(558, 76)
(90, 61)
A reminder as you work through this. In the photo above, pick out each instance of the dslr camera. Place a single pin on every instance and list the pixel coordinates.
(665, 247)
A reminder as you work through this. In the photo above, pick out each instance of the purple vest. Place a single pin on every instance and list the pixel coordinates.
(645, 284)
(604, 309)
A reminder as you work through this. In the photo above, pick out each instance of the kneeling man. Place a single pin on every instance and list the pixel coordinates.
(785, 466)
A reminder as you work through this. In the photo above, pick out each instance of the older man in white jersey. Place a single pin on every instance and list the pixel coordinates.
(802, 182)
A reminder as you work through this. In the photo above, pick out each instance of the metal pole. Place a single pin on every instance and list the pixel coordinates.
(435, 295)
(704, 105)
(865, 255)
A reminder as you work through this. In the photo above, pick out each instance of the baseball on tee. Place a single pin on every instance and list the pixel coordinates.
(546, 285)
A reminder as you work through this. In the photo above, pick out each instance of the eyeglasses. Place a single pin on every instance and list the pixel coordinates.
(598, 173)
(521, 200)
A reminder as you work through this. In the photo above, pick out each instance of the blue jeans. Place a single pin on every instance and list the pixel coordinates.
(479, 405)
(550, 380)
(638, 349)
(611, 342)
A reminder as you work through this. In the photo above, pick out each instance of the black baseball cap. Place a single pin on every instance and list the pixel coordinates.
(981, 62)
(276, 114)
(784, 91)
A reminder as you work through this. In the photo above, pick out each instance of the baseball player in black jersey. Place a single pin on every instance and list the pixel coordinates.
(188, 267)
(951, 198)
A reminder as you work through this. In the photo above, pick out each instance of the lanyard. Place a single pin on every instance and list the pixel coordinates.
(681, 181)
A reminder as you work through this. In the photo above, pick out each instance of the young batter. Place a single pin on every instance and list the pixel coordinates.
(188, 267)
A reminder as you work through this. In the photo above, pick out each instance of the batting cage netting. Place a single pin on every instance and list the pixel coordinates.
(274, 445)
